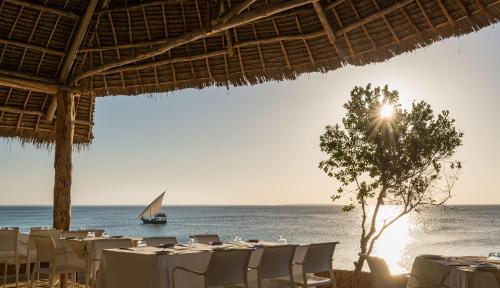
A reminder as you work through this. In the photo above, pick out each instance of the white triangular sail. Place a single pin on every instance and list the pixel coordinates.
(154, 208)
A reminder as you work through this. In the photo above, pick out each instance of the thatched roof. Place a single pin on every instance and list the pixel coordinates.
(116, 47)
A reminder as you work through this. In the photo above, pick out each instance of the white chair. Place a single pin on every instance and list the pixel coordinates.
(31, 251)
(225, 268)
(95, 253)
(206, 238)
(380, 273)
(60, 259)
(317, 258)
(274, 263)
(8, 253)
(156, 241)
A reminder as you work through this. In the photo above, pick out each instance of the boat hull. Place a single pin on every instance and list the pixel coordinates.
(156, 220)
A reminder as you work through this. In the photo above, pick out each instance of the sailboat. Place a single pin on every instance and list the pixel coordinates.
(152, 214)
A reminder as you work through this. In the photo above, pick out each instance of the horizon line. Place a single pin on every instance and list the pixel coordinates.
(216, 205)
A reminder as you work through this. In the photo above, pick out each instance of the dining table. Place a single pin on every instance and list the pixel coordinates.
(454, 272)
(80, 252)
(152, 267)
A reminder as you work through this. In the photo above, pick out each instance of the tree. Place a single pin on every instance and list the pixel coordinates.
(385, 155)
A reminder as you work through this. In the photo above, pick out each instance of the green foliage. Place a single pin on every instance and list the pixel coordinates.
(402, 156)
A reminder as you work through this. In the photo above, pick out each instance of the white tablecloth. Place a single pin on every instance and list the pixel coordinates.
(142, 267)
(452, 272)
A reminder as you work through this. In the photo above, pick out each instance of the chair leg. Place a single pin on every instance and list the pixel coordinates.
(51, 279)
(17, 274)
(28, 268)
(36, 267)
(4, 274)
(74, 279)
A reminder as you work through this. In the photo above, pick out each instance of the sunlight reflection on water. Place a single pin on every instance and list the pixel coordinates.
(392, 244)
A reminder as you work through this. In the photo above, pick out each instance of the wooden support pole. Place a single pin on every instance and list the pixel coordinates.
(73, 50)
(63, 162)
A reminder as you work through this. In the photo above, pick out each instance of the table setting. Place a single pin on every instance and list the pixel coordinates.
(152, 267)
(456, 272)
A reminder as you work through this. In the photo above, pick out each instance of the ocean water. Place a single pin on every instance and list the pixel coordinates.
(457, 230)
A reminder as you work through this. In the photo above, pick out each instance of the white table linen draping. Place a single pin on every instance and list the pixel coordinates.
(452, 272)
(143, 267)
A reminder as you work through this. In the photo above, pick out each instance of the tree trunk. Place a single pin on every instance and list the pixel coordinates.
(358, 265)
(62, 162)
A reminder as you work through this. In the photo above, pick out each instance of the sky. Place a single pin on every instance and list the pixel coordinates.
(259, 145)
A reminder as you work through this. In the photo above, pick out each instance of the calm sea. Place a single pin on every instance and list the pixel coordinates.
(458, 230)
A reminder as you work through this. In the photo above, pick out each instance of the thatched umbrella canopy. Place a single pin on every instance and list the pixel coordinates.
(56, 56)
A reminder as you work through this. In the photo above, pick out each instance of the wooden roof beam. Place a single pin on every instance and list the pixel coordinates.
(334, 4)
(374, 16)
(29, 84)
(33, 47)
(43, 8)
(326, 26)
(20, 111)
(214, 53)
(73, 50)
(137, 6)
(236, 10)
(244, 18)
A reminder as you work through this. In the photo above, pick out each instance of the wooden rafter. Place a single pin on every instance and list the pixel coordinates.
(327, 27)
(36, 113)
(236, 10)
(324, 22)
(32, 46)
(360, 23)
(73, 50)
(30, 4)
(138, 6)
(244, 18)
(11, 80)
(216, 53)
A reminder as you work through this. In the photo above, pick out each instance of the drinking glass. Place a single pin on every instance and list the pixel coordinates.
(193, 242)
(237, 238)
(90, 235)
(105, 235)
(282, 240)
(141, 244)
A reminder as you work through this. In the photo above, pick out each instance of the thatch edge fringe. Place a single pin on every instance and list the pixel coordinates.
(43, 140)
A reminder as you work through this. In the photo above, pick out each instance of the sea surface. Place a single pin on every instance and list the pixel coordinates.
(456, 230)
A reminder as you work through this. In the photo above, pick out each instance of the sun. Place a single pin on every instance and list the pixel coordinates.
(386, 110)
